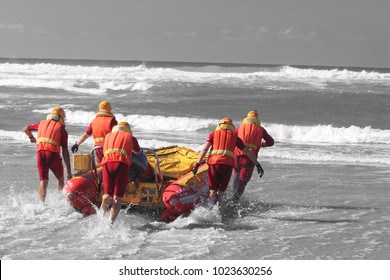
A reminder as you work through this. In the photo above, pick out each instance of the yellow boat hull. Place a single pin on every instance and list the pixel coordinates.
(166, 166)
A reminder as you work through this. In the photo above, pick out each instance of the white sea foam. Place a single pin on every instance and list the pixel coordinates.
(332, 74)
(298, 143)
(321, 134)
(285, 133)
(79, 79)
(161, 123)
(79, 117)
(99, 80)
(15, 136)
(140, 122)
(324, 155)
(329, 134)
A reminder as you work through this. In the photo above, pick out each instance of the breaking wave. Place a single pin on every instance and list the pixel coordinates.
(97, 80)
(321, 134)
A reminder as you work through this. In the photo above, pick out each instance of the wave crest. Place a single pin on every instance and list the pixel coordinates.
(329, 134)
(97, 80)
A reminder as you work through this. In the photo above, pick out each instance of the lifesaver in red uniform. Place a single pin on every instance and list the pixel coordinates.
(49, 135)
(83, 193)
(251, 133)
(118, 145)
(101, 126)
(225, 140)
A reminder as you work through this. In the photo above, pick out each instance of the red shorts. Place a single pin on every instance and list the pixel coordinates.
(115, 178)
(49, 160)
(98, 156)
(219, 176)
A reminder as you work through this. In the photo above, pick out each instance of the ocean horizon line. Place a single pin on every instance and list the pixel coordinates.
(155, 63)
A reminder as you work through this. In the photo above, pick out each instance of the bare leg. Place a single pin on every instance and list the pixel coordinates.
(219, 197)
(213, 196)
(60, 183)
(106, 202)
(42, 189)
(116, 208)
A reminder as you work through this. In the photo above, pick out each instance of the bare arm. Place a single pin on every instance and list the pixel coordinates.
(29, 134)
(203, 152)
(82, 139)
(65, 154)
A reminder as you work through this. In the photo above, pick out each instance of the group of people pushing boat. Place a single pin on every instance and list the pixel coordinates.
(231, 149)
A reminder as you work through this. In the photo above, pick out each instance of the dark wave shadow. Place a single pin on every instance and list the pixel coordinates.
(227, 227)
(325, 221)
(154, 227)
(232, 213)
(266, 206)
(257, 209)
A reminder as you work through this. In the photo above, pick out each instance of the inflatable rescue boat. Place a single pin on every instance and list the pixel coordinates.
(158, 178)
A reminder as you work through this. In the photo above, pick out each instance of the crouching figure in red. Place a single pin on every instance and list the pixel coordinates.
(117, 149)
(52, 136)
(223, 140)
(252, 133)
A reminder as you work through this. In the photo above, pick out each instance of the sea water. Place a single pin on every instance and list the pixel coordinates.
(325, 193)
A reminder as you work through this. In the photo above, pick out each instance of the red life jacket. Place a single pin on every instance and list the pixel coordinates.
(118, 147)
(224, 142)
(101, 126)
(251, 134)
(49, 136)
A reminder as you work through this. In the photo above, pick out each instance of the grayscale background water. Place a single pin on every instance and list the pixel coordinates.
(325, 193)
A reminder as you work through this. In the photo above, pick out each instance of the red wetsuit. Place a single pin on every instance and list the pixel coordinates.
(243, 166)
(48, 159)
(90, 131)
(115, 174)
(219, 174)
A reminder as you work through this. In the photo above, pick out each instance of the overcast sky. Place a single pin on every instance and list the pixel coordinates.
(305, 32)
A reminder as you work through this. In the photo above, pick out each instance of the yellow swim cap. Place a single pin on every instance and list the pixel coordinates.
(226, 121)
(226, 124)
(105, 106)
(58, 111)
(124, 126)
(253, 114)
